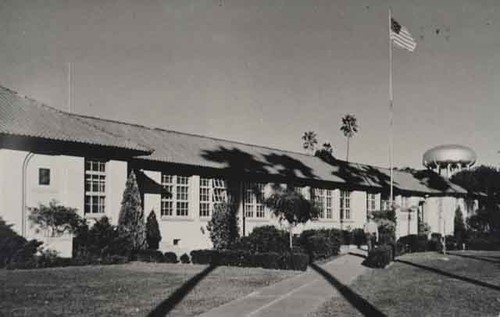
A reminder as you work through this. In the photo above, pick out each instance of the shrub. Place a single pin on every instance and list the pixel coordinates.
(412, 243)
(269, 260)
(320, 244)
(435, 243)
(223, 227)
(149, 256)
(483, 243)
(14, 249)
(170, 257)
(380, 257)
(102, 240)
(264, 239)
(153, 235)
(185, 258)
(55, 218)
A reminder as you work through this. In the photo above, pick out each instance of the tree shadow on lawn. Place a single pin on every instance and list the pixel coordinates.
(451, 275)
(168, 304)
(484, 258)
(358, 302)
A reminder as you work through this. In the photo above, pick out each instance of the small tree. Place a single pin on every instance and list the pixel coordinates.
(223, 227)
(131, 219)
(55, 218)
(153, 235)
(291, 206)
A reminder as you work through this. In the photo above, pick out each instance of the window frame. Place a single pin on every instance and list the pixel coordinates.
(42, 177)
(324, 198)
(216, 193)
(95, 187)
(178, 204)
(345, 205)
(251, 199)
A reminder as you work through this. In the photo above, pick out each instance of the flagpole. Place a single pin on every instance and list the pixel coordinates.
(391, 199)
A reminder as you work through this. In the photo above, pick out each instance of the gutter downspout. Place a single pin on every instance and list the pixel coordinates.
(26, 160)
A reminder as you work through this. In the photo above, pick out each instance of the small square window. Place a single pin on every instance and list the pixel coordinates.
(43, 176)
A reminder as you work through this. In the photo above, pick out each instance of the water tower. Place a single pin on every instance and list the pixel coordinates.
(449, 159)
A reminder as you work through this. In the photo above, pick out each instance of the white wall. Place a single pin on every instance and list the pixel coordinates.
(67, 187)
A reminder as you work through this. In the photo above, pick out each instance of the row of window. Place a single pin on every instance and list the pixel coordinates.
(212, 192)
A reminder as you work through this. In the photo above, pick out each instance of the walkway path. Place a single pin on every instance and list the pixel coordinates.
(296, 296)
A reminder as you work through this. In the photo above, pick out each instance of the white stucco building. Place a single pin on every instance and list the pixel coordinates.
(83, 162)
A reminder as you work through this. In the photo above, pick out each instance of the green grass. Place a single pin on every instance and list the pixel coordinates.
(405, 290)
(124, 290)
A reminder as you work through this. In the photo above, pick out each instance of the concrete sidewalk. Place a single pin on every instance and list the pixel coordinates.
(296, 296)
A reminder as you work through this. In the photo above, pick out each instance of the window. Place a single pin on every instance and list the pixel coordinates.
(95, 186)
(254, 200)
(385, 203)
(43, 176)
(324, 199)
(213, 192)
(371, 202)
(175, 196)
(345, 205)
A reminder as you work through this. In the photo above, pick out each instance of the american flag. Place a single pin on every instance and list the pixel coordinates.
(400, 36)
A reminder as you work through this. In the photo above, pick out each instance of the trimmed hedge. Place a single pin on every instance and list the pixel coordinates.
(380, 257)
(483, 243)
(412, 243)
(149, 256)
(170, 257)
(268, 260)
(320, 244)
(185, 258)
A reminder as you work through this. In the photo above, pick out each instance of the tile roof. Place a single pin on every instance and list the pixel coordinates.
(21, 116)
(24, 117)
(189, 149)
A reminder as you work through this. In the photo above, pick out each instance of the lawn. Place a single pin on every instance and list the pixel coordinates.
(435, 285)
(124, 290)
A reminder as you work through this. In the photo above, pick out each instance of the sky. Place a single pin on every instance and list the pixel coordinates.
(265, 71)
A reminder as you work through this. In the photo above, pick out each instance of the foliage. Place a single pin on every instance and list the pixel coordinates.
(481, 179)
(223, 227)
(100, 241)
(320, 244)
(185, 258)
(15, 249)
(424, 228)
(380, 257)
(349, 128)
(56, 218)
(153, 235)
(149, 255)
(412, 243)
(264, 239)
(287, 204)
(386, 221)
(170, 257)
(131, 219)
(486, 220)
(459, 225)
(310, 140)
(269, 260)
(483, 243)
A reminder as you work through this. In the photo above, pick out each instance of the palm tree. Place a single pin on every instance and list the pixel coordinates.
(327, 147)
(310, 140)
(349, 127)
